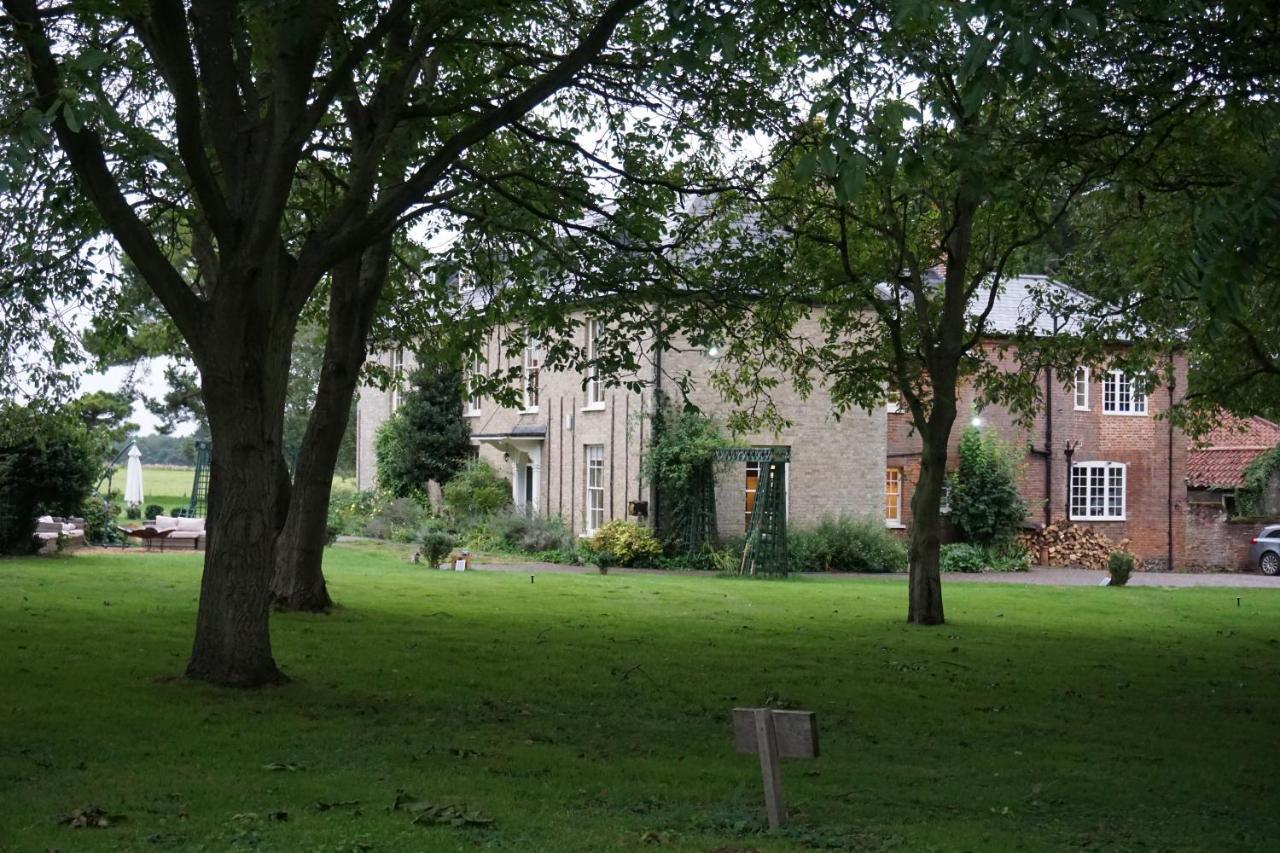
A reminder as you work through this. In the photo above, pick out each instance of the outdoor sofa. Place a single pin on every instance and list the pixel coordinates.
(184, 529)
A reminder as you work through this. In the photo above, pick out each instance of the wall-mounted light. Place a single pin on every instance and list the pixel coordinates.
(715, 350)
(976, 422)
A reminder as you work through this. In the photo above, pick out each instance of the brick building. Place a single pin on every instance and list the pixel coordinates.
(576, 446)
(1215, 469)
(1097, 453)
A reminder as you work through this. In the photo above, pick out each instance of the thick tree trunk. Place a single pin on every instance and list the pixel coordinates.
(298, 582)
(248, 486)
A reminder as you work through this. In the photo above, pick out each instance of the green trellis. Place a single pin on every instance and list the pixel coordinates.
(765, 549)
(200, 483)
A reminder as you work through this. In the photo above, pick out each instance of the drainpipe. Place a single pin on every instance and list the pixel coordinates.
(655, 513)
(1173, 382)
(1048, 446)
(1069, 450)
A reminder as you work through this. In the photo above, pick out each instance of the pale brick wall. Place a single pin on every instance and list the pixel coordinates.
(837, 466)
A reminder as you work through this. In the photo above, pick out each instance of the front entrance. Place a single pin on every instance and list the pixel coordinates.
(530, 490)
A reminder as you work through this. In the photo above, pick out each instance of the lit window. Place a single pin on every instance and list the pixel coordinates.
(1082, 389)
(595, 486)
(532, 369)
(1098, 491)
(893, 496)
(473, 380)
(595, 387)
(750, 490)
(1123, 394)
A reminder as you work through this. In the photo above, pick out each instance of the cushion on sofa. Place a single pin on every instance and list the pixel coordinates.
(166, 522)
(191, 525)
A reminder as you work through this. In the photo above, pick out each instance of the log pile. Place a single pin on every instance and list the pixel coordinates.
(1065, 544)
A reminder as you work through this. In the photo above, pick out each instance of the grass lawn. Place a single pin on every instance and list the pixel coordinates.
(171, 486)
(587, 713)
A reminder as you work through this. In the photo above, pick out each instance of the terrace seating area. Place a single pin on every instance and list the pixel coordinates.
(50, 529)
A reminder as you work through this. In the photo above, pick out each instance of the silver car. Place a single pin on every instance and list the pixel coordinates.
(1265, 550)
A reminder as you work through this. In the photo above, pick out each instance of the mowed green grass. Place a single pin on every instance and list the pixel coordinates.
(588, 713)
(171, 487)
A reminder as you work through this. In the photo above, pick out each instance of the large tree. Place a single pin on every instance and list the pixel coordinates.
(940, 146)
(200, 125)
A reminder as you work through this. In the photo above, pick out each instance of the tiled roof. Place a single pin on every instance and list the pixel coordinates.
(1219, 459)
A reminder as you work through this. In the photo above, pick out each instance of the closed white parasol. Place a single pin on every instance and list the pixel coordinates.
(133, 483)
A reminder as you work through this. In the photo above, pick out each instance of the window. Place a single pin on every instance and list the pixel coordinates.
(893, 497)
(532, 368)
(1082, 389)
(473, 378)
(1098, 491)
(397, 370)
(1123, 394)
(595, 387)
(750, 489)
(594, 456)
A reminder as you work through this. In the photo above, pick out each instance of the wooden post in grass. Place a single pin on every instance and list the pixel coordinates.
(774, 735)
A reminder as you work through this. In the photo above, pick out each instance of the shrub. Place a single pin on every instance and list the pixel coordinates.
(397, 519)
(706, 559)
(436, 545)
(49, 462)
(99, 520)
(524, 533)
(133, 513)
(475, 492)
(1120, 565)
(626, 543)
(985, 504)
(967, 557)
(153, 510)
(962, 557)
(846, 544)
(179, 511)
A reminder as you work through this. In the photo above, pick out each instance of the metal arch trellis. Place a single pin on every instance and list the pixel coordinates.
(200, 483)
(765, 548)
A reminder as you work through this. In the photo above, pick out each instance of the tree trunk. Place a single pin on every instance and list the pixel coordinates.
(248, 487)
(925, 607)
(298, 582)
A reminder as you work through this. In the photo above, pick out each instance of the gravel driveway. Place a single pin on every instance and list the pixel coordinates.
(1038, 575)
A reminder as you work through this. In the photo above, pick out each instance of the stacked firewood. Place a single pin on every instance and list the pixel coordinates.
(1065, 544)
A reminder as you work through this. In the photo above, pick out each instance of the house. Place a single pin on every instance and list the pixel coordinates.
(1216, 464)
(1097, 452)
(576, 445)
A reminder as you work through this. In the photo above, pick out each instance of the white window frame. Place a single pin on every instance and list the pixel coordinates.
(531, 372)
(1120, 394)
(397, 368)
(593, 459)
(473, 399)
(754, 493)
(595, 385)
(1082, 389)
(1093, 495)
(893, 473)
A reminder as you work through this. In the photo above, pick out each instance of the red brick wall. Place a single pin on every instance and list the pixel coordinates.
(1215, 542)
(1139, 441)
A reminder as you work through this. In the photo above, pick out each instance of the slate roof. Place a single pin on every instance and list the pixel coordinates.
(1218, 460)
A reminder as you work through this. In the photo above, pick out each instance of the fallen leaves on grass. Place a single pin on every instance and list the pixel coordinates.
(322, 806)
(426, 813)
(93, 817)
(278, 766)
(252, 817)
